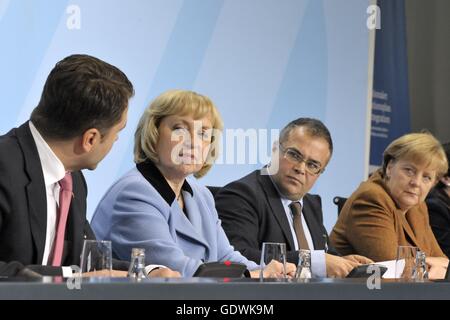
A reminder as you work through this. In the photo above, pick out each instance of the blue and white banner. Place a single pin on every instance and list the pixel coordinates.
(390, 108)
(263, 62)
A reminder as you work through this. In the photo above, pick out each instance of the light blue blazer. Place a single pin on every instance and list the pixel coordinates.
(132, 214)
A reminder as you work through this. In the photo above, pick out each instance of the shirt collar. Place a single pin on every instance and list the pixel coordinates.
(52, 168)
(152, 174)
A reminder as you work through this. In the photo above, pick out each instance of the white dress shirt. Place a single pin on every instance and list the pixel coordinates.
(53, 171)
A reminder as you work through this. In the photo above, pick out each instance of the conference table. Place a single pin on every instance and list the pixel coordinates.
(219, 289)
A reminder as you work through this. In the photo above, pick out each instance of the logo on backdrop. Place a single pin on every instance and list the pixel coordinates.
(74, 20)
(374, 19)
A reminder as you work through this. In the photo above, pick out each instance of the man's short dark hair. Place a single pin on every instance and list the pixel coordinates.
(81, 92)
(315, 128)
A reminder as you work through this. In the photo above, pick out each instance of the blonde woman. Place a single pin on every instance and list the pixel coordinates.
(389, 209)
(158, 205)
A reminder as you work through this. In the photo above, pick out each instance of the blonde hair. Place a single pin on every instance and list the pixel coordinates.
(175, 102)
(422, 148)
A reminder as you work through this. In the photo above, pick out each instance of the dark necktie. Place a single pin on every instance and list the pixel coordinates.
(296, 208)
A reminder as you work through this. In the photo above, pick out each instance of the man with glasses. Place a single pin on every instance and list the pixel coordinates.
(273, 204)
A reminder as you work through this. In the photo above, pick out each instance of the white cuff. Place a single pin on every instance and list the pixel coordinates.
(152, 267)
(318, 264)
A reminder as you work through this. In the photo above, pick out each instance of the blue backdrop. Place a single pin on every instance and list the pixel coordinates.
(263, 62)
(390, 112)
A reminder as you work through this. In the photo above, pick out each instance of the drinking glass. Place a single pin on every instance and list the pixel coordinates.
(405, 262)
(96, 258)
(273, 251)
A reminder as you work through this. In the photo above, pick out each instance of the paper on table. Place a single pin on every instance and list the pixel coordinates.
(390, 264)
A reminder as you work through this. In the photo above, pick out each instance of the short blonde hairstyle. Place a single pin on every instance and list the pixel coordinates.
(181, 103)
(421, 148)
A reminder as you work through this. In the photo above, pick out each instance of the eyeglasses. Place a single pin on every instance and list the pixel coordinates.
(297, 158)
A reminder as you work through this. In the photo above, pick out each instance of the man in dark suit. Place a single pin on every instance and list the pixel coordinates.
(273, 204)
(83, 107)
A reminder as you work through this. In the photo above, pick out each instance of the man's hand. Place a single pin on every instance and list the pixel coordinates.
(164, 273)
(275, 270)
(338, 267)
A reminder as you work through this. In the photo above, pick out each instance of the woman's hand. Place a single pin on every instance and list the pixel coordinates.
(358, 259)
(164, 273)
(437, 273)
(339, 267)
(437, 262)
(437, 267)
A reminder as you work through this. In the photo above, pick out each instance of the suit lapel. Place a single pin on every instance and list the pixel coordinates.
(191, 227)
(75, 226)
(36, 193)
(406, 227)
(276, 207)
